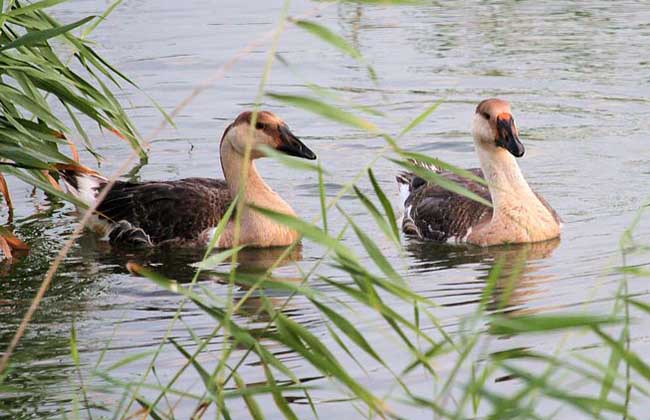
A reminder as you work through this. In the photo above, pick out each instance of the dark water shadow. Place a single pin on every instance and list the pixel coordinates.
(181, 264)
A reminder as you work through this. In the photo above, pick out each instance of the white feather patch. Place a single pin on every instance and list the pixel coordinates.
(452, 240)
(208, 234)
(88, 188)
(87, 191)
(404, 193)
(406, 215)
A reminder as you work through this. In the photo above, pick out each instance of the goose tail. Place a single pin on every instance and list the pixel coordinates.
(82, 182)
(407, 182)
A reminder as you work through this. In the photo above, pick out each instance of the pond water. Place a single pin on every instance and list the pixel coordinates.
(578, 78)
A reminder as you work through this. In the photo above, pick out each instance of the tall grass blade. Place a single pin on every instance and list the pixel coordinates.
(347, 328)
(385, 203)
(522, 324)
(37, 37)
(279, 399)
(322, 195)
(330, 37)
(420, 118)
(290, 162)
(440, 164)
(588, 405)
(631, 358)
(442, 182)
(379, 219)
(373, 251)
(203, 374)
(325, 110)
(39, 5)
(253, 407)
(150, 410)
(309, 230)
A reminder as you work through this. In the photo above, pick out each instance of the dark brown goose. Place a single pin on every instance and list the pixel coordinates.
(186, 211)
(518, 214)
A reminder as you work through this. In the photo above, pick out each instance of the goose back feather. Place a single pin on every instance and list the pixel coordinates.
(434, 213)
(157, 212)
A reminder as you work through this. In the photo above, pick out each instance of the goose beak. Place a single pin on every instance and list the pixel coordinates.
(508, 137)
(292, 145)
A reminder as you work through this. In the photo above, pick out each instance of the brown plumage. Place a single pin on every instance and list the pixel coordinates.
(157, 212)
(434, 213)
(185, 212)
(168, 212)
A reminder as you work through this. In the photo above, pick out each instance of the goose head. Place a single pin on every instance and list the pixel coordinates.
(493, 127)
(269, 130)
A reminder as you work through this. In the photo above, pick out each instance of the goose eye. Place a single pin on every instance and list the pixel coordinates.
(260, 126)
(485, 115)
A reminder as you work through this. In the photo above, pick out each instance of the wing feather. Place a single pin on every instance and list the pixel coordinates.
(168, 211)
(437, 214)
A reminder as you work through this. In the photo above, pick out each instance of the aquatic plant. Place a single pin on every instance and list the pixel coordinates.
(48, 73)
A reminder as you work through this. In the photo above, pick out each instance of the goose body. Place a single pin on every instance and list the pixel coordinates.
(186, 211)
(518, 214)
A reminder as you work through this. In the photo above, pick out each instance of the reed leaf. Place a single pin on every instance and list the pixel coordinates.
(31, 133)
(442, 181)
(210, 385)
(253, 407)
(307, 229)
(631, 358)
(290, 162)
(386, 227)
(279, 399)
(32, 7)
(501, 325)
(325, 110)
(130, 359)
(373, 251)
(37, 37)
(328, 36)
(299, 339)
(420, 118)
(347, 328)
(385, 203)
(440, 164)
(586, 404)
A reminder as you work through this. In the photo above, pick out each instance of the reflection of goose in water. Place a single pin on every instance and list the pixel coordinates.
(180, 265)
(517, 280)
(253, 263)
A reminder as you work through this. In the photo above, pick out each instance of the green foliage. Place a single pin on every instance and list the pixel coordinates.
(43, 63)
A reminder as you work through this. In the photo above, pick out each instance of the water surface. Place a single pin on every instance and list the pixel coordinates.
(577, 76)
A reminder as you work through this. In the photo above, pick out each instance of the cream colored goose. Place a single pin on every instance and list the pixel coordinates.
(186, 211)
(518, 214)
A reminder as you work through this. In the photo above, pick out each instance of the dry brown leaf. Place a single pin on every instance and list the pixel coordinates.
(76, 167)
(73, 149)
(51, 180)
(6, 249)
(16, 243)
(11, 240)
(4, 189)
(117, 133)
